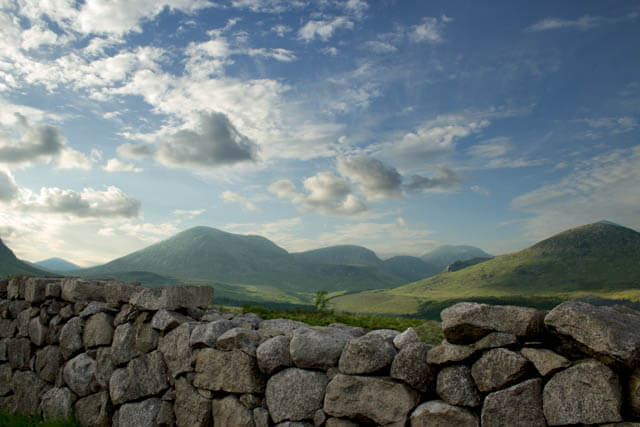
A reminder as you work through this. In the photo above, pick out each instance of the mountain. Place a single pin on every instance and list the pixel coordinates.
(600, 259)
(340, 255)
(409, 268)
(444, 255)
(459, 265)
(9, 264)
(57, 265)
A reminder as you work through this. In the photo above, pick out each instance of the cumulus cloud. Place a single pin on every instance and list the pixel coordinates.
(231, 197)
(430, 30)
(216, 142)
(583, 23)
(8, 188)
(377, 180)
(447, 180)
(134, 151)
(117, 165)
(324, 29)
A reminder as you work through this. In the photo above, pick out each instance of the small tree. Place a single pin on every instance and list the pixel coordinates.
(320, 301)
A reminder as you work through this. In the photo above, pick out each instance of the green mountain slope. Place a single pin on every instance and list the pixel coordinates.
(56, 265)
(409, 268)
(9, 264)
(444, 255)
(599, 259)
(340, 255)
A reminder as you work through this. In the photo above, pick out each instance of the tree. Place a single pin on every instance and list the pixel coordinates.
(320, 301)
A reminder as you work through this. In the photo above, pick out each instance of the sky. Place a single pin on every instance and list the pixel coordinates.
(398, 125)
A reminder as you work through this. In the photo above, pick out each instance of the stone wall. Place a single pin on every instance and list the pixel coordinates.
(119, 354)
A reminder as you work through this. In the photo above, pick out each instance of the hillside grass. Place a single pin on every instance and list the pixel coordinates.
(12, 420)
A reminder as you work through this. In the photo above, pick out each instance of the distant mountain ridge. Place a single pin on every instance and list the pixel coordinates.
(444, 255)
(10, 264)
(56, 265)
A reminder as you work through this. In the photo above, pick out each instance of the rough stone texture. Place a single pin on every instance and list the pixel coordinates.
(118, 292)
(230, 412)
(609, 334)
(146, 337)
(104, 367)
(247, 320)
(295, 394)
(80, 374)
(632, 390)
(317, 347)
(273, 354)
(410, 366)
(366, 354)
(546, 361)
(519, 405)
(53, 290)
(57, 403)
(80, 290)
(380, 400)
(587, 393)
(283, 325)
(339, 422)
(230, 371)
(94, 410)
(19, 352)
(15, 288)
(95, 307)
(319, 418)
(467, 322)
(355, 331)
(3, 350)
(449, 353)
(498, 368)
(437, 413)
(206, 334)
(456, 386)
(7, 328)
(34, 289)
(260, 417)
(251, 400)
(28, 389)
(71, 337)
(139, 414)
(144, 376)
(176, 350)
(48, 363)
(98, 330)
(388, 334)
(23, 320)
(191, 409)
(5, 379)
(243, 339)
(407, 337)
(165, 320)
(123, 347)
(495, 340)
(172, 298)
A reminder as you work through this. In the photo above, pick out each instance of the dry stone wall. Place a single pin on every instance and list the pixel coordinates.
(123, 355)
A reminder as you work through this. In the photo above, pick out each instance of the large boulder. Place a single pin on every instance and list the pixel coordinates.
(81, 290)
(546, 361)
(94, 410)
(450, 353)
(586, 393)
(437, 413)
(28, 390)
(172, 298)
(119, 292)
(19, 352)
(71, 337)
(228, 411)
(231, 371)
(139, 414)
(98, 330)
(206, 334)
(407, 337)
(295, 394)
(519, 405)
(499, 368)
(35, 289)
(377, 399)
(284, 326)
(165, 320)
(633, 392)
(467, 322)
(243, 339)
(273, 354)
(144, 376)
(48, 363)
(366, 354)
(191, 409)
(410, 365)
(5, 379)
(317, 347)
(80, 374)
(609, 334)
(176, 349)
(57, 404)
(37, 331)
(456, 386)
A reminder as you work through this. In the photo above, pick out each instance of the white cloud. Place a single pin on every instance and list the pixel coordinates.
(8, 188)
(72, 159)
(281, 30)
(430, 30)
(330, 51)
(268, 6)
(231, 197)
(37, 36)
(583, 23)
(480, 190)
(189, 214)
(603, 187)
(278, 54)
(446, 180)
(377, 180)
(614, 125)
(324, 29)
(492, 148)
(378, 46)
(117, 165)
(134, 151)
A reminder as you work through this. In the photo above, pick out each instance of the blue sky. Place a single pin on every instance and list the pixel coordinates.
(397, 125)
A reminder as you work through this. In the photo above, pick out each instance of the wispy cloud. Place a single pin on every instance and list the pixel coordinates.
(324, 29)
(231, 197)
(117, 165)
(430, 30)
(583, 23)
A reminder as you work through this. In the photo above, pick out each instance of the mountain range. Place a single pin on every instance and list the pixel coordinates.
(10, 264)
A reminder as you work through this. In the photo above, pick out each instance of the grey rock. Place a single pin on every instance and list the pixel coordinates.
(119, 292)
(6, 374)
(172, 298)
(34, 289)
(366, 354)
(37, 331)
(176, 350)
(80, 374)
(317, 347)
(212, 314)
(126, 314)
(437, 413)
(339, 422)
(140, 414)
(294, 424)
(251, 401)
(319, 418)
(81, 290)
(57, 404)
(15, 288)
(496, 340)
(632, 392)
(206, 334)
(3, 350)
(71, 337)
(378, 399)
(230, 371)
(7, 328)
(104, 366)
(260, 417)
(144, 376)
(48, 363)
(519, 405)
(498, 368)
(191, 409)
(273, 354)
(146, 337)
(53, 290)
(247, 320)
(467, 322)
(96, 307)
(546, 361)
(355, 331)
(98, 330)
(23, 320)
(587, 393)
(166, 416)
(14, 308)
(230, 412)
(388, 334)
(123, 347)
(410, 365)
(243, 339)
(449, 353)
(456, 386)
(28, 389)
(165, 320)
(407, 337)
(609, 334)
(8, 403)
(66, 312)
(94, 410)
(295, 394)
(283, 325)
(19, 352)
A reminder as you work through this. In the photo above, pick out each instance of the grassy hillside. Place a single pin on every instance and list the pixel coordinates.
(409, 268)
(9, 264)
(444, 255)
(599, 259)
